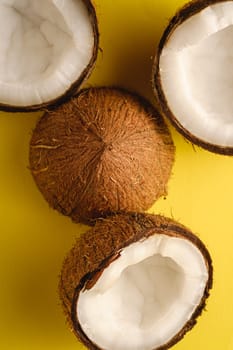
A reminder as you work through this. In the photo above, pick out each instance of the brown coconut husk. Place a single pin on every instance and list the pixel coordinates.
(101, 245)
(105, 150)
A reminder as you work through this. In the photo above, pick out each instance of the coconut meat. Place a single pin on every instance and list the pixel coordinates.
(146, 296)
(196, 70)
(45, 46)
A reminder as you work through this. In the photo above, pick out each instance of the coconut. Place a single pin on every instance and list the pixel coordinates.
(47, 49)
(135, 281)
(103, 151)
(192, 74)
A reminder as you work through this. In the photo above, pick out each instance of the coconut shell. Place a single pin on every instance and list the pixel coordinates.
(189, 10)
(104, 151)
(102, 244)
(75, 86)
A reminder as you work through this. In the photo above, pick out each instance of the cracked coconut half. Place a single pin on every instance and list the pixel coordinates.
(135, 281)
(47, 48)
(193, 73)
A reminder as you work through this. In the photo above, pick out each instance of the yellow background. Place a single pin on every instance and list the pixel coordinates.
(34, 238)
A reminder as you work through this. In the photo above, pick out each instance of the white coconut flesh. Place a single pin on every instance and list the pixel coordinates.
(45, 46)
(196, 69)
(146, 296)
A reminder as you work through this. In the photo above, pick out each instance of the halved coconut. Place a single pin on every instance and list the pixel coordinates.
(193, 73)
(135, 281)
(103, 151)
(47, 49)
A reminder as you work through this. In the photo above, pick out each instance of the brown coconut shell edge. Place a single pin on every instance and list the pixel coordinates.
(73, 89)
(190, 9)
(101, 245)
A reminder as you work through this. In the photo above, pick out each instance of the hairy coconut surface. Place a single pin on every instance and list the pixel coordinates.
(105, 150)
(135, 281)
(47, 49)
(193, 73)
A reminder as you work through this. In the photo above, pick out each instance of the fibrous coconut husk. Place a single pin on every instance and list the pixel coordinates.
(103, 151)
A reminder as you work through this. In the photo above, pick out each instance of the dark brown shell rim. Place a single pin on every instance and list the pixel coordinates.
(182, 15)
(89, 280)
(76, 85)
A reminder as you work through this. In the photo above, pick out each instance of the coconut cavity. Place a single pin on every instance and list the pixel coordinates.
(45, 47)
(194, 73)
(145, 296)
(104, 151)
(135, 281)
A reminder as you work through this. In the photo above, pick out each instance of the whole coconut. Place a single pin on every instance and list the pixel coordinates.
(104, 151)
